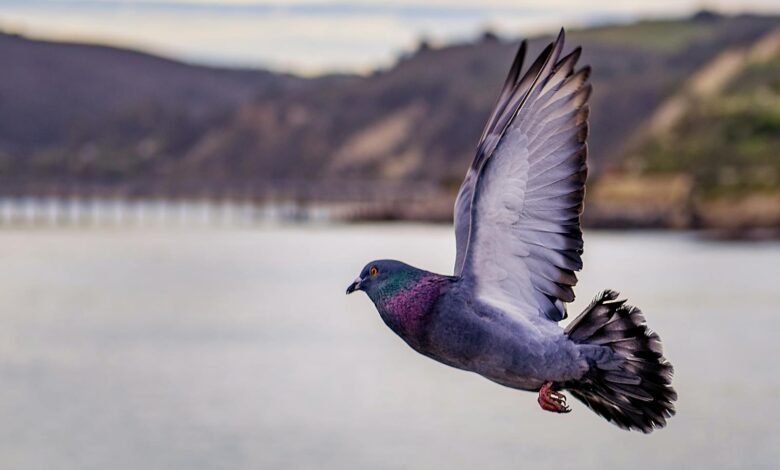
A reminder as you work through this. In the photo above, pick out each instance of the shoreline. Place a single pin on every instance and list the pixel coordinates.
(20, 212)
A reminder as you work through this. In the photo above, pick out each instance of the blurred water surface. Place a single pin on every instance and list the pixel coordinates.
(237, 349)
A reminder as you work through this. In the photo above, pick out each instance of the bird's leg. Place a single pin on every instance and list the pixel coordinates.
(551, 400)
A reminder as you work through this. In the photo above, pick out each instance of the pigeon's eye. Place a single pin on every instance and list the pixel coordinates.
(373, 271)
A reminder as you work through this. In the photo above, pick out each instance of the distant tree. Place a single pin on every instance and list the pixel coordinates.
(706, 15)
(424, 45)
(488, 35)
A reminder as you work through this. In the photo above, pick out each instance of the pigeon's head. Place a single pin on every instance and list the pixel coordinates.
(383, 277)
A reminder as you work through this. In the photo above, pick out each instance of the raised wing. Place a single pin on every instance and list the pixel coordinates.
(517, 215)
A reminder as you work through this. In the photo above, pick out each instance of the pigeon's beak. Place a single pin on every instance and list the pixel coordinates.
(354, 286)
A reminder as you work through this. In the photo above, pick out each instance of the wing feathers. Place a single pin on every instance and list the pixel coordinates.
(528, 84)
(524, 243)
(506, 90)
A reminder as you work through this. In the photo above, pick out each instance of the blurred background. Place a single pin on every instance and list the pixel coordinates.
(188, 186)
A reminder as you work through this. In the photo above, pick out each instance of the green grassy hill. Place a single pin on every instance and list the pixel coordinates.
(728, 141)
(722, 132)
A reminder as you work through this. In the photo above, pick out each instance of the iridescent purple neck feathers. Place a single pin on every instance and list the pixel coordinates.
(405, 308)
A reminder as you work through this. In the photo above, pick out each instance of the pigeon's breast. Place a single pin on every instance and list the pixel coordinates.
(408, 310)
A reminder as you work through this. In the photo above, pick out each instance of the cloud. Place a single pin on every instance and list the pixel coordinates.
(310, 36)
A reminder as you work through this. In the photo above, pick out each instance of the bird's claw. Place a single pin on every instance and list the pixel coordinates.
(551, 400)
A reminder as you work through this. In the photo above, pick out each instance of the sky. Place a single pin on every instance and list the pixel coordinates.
(317, 36)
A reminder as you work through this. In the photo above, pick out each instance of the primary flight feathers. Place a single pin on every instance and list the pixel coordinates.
(517, 212)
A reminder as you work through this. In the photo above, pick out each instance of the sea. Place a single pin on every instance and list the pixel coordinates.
(235, 347)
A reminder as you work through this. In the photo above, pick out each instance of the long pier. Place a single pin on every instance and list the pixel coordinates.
(54, 212)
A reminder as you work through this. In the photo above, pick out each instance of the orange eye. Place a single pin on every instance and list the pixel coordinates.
(373, 271)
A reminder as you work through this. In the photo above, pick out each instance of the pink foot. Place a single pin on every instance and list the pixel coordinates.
(551, 400)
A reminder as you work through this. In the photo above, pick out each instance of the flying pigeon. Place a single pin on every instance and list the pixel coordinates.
(519, 243)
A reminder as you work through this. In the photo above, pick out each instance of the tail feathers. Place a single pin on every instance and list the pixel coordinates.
(629, 383)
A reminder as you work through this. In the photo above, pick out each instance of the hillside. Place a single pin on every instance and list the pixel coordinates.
(83, 113)
(721, 134)
(86, 119)
(420, 119)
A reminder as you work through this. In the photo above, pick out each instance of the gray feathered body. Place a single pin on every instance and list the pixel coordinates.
(462, 332)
